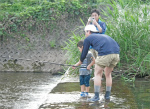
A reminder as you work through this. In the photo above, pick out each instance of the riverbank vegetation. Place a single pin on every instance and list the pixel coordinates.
(17, 17)
(128, 22)
(129, 25)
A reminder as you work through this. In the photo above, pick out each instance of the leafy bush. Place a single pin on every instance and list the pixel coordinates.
(128, 23)
(20, 15)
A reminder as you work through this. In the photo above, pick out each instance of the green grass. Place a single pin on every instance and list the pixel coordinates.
(130, 27)
(22, 15)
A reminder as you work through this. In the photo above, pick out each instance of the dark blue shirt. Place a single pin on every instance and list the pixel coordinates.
(102, 43)
(102, 25)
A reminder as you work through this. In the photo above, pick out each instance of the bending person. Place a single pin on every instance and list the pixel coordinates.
(108, 57)
(100, 26)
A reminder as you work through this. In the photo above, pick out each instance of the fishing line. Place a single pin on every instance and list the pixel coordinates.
(16, 59)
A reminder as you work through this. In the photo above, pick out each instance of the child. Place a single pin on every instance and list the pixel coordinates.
(94, 19)
(85, 70)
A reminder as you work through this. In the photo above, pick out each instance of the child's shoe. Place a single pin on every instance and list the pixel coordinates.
(86, 94)
(82, 94)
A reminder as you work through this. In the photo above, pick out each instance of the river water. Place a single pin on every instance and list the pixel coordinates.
(25, 90)
(30, 90)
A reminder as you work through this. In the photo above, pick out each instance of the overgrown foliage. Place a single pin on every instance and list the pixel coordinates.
(129, 24)
(19, 16)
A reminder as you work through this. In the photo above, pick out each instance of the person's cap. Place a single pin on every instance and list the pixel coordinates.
(91, 28)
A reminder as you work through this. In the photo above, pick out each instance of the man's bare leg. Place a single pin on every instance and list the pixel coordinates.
(108, 71)
(97, 82)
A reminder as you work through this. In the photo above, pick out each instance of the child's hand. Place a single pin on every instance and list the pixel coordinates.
(73, 67)
(77, 64)
(88, 67)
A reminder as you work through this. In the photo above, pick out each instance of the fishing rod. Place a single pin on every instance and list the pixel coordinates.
(15, 59)
(61, 64)
(10, 58)
(57, 63)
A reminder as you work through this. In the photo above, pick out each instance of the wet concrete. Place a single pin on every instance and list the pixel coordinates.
(25, 90)
(66, 95)
(46, 91)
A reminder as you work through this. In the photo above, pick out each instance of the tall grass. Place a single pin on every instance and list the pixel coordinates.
(73, 53)
(129, 26)
(128, 22)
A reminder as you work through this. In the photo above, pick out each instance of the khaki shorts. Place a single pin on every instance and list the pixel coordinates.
(94, 52)
(110, 60)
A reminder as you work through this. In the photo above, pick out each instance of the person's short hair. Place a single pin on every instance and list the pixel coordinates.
(95, 11)
(80, 44)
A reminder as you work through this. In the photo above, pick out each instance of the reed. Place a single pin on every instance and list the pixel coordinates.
(73, 53)
(128, 23)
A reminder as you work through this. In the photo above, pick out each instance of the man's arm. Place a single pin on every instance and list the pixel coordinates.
(91, 64)
(103, 26)
(98, 26)
(86, 46)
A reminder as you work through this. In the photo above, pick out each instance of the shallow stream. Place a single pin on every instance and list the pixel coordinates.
(31, 90)
(25, 90)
